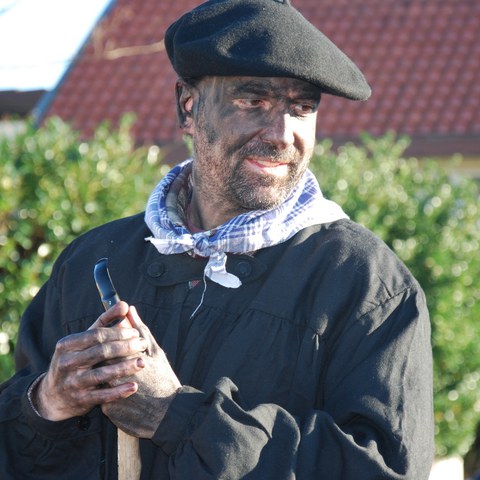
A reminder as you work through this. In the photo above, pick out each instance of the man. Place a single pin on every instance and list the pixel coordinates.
(265, 335)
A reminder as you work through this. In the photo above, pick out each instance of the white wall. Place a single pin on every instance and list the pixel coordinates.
(447, 469)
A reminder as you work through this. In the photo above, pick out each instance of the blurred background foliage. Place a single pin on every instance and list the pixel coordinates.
(54, 186)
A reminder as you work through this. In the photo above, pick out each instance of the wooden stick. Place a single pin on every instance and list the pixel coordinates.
(128, 449)
(129, 462)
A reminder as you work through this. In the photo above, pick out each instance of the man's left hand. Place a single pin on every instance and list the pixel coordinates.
(140, 414)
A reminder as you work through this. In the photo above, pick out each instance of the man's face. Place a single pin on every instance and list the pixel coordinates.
(253, 138)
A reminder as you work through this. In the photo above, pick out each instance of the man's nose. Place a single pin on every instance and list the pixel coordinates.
(280, 130)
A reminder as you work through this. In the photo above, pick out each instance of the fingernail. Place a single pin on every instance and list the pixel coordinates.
(140, 363)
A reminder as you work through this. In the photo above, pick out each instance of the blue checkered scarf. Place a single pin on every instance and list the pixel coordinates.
(244, 233)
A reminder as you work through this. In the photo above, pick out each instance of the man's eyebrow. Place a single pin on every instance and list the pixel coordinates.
(250, 87)
(265, 89)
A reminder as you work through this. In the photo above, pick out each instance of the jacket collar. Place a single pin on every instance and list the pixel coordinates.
(164, 270)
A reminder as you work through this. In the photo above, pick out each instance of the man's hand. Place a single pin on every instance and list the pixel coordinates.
(91, 368)
(140, 414)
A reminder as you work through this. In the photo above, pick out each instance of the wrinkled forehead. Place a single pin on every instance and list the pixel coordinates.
(261, 86)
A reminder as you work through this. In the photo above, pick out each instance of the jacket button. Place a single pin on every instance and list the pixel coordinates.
(156, 269)
(83, 423)
(243, 269)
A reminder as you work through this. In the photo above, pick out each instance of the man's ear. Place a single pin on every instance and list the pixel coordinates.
(184, 99)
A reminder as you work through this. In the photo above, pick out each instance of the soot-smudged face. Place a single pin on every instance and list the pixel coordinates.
(253, 138)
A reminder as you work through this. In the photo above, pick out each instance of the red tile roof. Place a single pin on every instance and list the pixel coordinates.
(421, 57)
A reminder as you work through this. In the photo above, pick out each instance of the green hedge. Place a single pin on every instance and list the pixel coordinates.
(53, 186)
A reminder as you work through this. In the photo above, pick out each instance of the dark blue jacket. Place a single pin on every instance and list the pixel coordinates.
(317, 367)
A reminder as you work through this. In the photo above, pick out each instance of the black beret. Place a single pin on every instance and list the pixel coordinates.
(261, 38)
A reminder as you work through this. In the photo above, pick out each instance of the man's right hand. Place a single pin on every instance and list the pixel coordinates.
(84, 364)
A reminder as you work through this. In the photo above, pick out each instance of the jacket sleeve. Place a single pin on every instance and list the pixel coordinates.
(32, 447)
(375, 415)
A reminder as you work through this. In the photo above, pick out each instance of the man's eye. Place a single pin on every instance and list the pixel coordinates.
(304, 108)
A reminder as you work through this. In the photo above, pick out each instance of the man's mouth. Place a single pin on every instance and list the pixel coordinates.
(267, 166)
